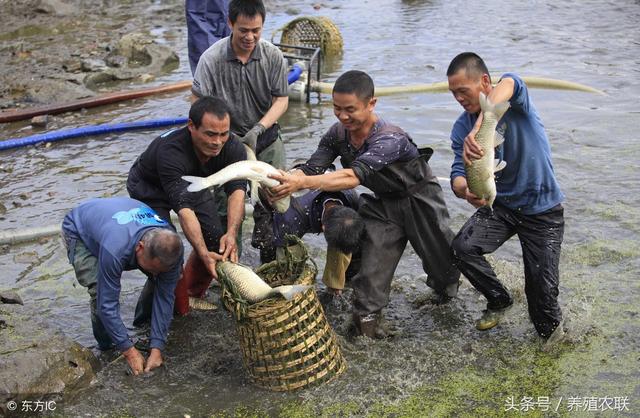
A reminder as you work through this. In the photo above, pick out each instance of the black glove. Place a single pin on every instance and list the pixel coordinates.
(251, 137)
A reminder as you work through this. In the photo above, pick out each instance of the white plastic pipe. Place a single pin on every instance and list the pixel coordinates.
(20, 236)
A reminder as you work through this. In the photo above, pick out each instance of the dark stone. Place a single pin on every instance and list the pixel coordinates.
(116, 61)
(135, 55)
(54, 7)
(38, 360)
(72, 65)
(12, 298)
(93, 64)
(40, 121)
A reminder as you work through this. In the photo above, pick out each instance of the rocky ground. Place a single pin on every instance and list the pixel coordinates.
(37, 361)
(55, 51)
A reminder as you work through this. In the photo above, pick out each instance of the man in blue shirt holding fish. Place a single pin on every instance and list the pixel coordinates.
(203, 147)
(105, 237)
(527, 202)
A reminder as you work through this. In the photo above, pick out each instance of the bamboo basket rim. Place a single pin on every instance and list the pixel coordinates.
(329, 36)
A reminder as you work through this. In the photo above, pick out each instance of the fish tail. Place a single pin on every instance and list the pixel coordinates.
(282, 205)
(254, 197)
(289, 291)
(251, 156)
(254, 185)
(197, 183)
(497, 109)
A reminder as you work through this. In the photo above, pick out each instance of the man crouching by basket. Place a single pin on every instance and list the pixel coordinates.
(105, 237)
(408, 204)
(332, 213)
(203, 147)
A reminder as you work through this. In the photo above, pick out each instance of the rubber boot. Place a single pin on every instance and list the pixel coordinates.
(493, 315)
(369, 326)
(443, 295)
(195, 281)
(144, 307)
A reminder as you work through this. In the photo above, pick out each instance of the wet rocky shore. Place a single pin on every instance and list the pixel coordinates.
(55, 51)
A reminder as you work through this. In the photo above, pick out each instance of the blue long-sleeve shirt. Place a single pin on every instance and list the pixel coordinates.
(528, 183)
(110, 229)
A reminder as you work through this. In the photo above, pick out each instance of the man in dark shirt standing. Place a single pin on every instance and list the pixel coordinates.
(202, 148)
(250, 73)
(408, 204)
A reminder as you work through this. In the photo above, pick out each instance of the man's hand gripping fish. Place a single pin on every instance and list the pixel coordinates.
(255, 171)
(481, 172)
(251, 287)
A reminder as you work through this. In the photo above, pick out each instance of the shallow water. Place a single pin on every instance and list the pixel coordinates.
(437, 363)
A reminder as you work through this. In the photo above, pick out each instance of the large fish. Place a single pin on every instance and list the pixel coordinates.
(251, 287)
(255, 171)
(253, 184)
(481, 172)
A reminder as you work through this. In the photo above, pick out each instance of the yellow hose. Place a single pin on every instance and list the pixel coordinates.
(443, 87)
(550, 83)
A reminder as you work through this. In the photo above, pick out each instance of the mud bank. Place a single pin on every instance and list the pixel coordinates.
(55, 51)
(37, 361)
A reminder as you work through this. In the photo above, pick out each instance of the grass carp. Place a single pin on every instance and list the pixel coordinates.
(254, 171)
(251, 287)
(481, 172)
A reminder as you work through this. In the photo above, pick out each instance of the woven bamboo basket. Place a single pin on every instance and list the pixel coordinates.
(315, 32)
(286, 345)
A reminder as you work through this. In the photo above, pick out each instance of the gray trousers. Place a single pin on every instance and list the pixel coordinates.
(421, 219)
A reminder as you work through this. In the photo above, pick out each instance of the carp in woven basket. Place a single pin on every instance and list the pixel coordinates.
(251, 287)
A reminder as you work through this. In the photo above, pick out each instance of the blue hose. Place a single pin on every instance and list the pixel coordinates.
(88, 130)
(294, 74)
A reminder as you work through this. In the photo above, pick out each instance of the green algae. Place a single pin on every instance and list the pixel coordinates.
(603, 252)
(622, 214)
(241, 412)
(531, 375)
(505, 372)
